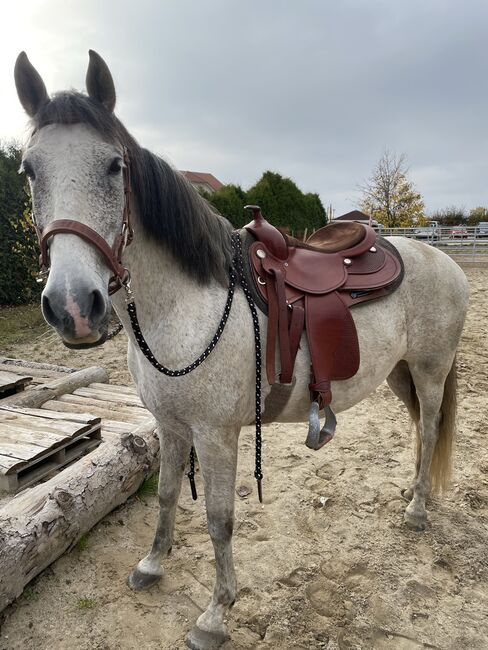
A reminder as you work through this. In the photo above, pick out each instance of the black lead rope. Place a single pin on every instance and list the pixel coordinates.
(237, 246)
(191, 475)
(145, 349)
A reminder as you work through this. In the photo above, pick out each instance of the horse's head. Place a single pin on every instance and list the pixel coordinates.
(75, 165)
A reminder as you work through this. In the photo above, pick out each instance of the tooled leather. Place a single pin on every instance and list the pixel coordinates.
(324, 283)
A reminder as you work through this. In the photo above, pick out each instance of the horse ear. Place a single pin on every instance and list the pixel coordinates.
(99, 82)
(30, 86)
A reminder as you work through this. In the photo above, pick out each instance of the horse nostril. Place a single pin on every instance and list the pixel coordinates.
(48, 312)
(97, 311)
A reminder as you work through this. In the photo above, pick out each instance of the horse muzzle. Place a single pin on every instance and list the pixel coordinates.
(79, 315)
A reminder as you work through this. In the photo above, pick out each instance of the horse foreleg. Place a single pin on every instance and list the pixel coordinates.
(217, 457)
(175, 448)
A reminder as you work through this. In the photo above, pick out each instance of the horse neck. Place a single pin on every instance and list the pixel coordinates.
(168, 300)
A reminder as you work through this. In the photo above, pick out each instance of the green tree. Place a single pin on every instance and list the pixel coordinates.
(285, 205)
(282, 202)
(476, 215)
(230, 201)
(18, 248)
(389, 197)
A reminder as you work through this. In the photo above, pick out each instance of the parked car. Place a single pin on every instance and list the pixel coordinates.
(458, 231)
(432, 231)
(482, 229)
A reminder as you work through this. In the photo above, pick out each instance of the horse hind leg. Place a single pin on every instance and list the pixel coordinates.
(401, 383)
(217, 456)
(175, 448)
(436, 392)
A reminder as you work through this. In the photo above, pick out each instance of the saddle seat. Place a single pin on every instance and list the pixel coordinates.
(332, 238)
(311, 287)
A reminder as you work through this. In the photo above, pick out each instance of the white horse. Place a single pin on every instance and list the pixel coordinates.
(178, 261)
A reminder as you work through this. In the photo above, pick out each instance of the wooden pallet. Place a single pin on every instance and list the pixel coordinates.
(11, 382)
(35, 442)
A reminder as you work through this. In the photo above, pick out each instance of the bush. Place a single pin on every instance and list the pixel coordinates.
(18, 242)
(282, 202)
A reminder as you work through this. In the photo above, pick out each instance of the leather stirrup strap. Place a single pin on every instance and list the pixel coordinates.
(286, 363)
(297, 322)
(272, 332)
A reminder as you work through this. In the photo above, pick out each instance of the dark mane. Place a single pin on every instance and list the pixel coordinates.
(170, 209)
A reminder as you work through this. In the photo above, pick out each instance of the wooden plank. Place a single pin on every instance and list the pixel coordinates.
(11, 379)
(61, 427)
(10, 383)
(128, 400)
(14, 434)
(29, 475)
(135, 415)
(36, 373)
(100, 403)
(117, 388)
(7, 462)
(34, 453)
(20, 451)
(83, 418)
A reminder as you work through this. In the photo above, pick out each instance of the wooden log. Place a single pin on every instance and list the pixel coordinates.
(36, 397)
(35, 365)
(40, 524)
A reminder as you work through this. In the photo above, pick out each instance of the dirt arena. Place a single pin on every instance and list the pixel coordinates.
(325, 563)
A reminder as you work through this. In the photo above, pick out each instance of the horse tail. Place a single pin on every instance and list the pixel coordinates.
(440, 468)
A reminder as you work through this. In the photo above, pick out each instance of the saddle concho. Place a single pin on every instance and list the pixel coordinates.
(311, 286)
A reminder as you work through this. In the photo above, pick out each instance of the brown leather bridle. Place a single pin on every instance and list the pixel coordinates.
(112, 254)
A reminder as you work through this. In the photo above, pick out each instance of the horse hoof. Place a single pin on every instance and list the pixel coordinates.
(139, 581)
(415, 522)
(198, 639)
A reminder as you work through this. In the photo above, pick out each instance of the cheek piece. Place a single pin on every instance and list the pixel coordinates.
(111, 254)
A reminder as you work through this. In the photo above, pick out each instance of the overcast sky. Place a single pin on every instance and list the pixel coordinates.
(313, 89)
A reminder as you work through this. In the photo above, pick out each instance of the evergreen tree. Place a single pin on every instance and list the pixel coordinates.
(281, 201)
(285, 205)
(229, 201)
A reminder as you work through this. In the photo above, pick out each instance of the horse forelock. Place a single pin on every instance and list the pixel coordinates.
(170, 210)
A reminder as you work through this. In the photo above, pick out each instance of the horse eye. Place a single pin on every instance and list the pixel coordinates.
(28, 171)
(115, 166)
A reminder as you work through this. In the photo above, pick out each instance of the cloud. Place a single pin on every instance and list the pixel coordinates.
(313, 90)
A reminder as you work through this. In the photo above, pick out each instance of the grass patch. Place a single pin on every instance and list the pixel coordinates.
(20, 323)
(31, 594)
(86, 603)
(148, 487)
(83, 543)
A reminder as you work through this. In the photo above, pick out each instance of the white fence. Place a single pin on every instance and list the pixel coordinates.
(464, 245)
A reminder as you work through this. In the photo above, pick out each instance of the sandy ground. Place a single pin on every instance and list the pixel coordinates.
(338, 572)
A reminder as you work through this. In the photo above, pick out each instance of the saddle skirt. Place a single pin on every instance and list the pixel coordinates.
(312, 286)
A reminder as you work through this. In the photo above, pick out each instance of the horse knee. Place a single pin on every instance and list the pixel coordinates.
(220, 525)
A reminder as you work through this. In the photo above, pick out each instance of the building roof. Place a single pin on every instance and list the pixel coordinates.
(354, 215)
(204, 178)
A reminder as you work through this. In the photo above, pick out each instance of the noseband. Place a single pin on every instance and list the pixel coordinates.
(111, 254)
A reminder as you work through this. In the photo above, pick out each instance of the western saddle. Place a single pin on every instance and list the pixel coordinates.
(311, 286)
